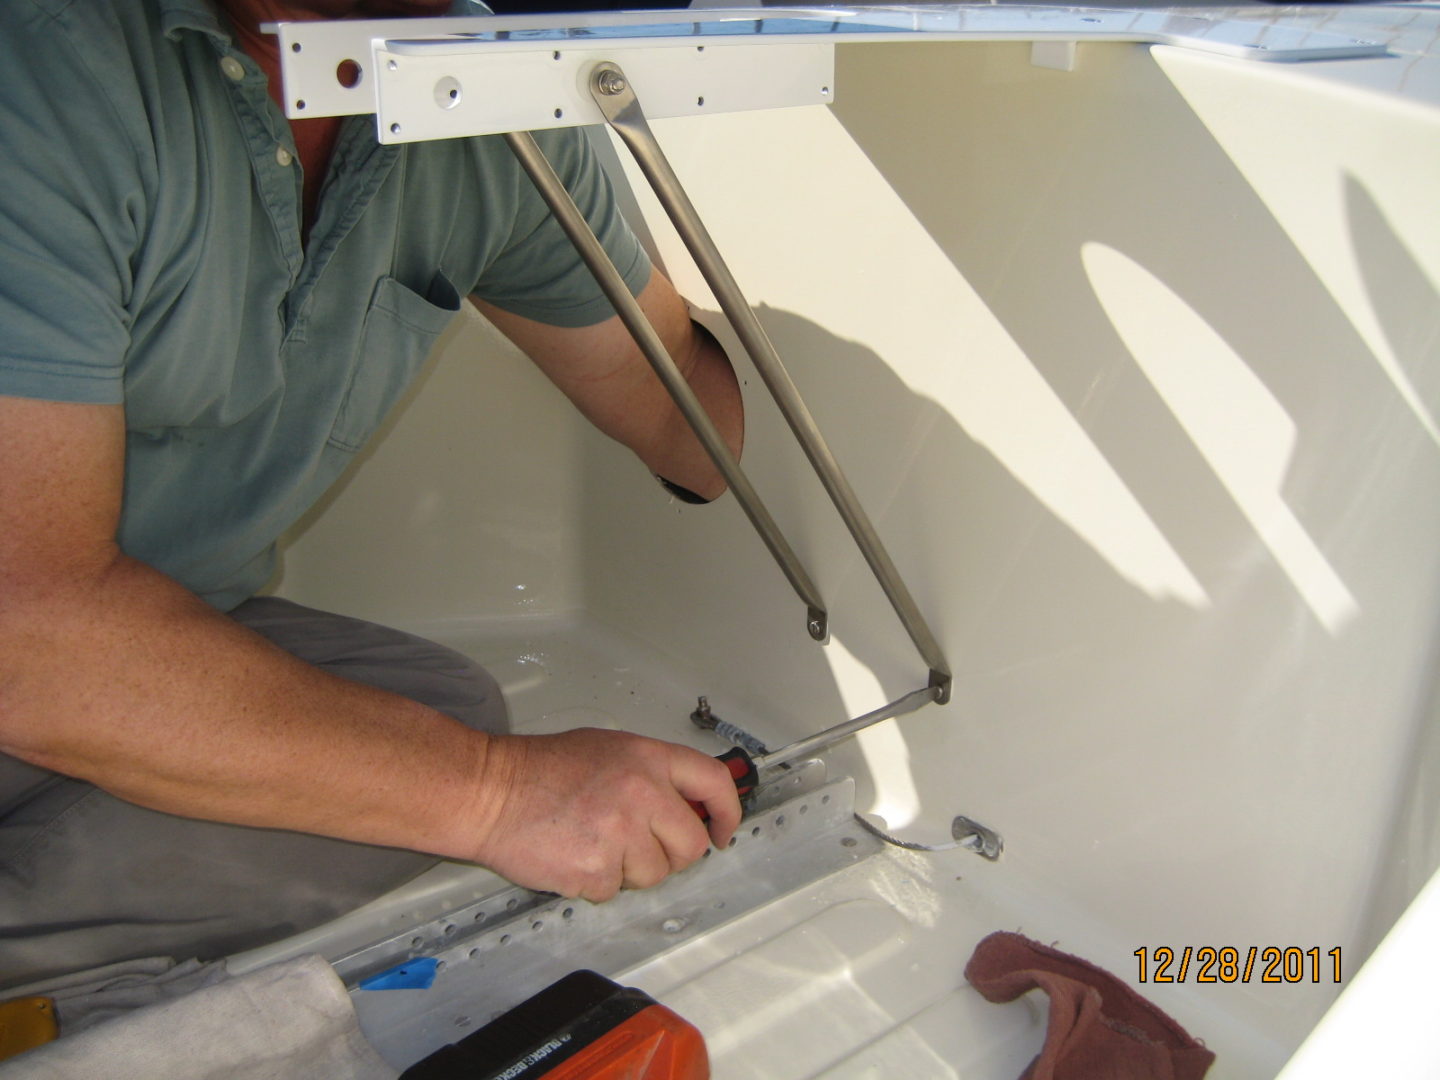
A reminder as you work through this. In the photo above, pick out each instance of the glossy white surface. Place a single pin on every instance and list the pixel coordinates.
(1383, 1024)
(1136, 368)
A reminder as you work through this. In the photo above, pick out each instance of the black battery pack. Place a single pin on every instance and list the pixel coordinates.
(584, 1027)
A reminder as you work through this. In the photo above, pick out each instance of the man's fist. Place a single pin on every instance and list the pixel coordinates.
(589, 812)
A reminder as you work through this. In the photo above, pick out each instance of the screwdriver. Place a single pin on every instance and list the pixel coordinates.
(742, 771)
(745, 768)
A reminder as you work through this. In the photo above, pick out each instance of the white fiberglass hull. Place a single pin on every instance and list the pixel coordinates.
(1135, 366)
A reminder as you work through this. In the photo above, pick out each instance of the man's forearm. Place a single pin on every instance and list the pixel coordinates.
(114, 673)
(124, 678)
(676, 454)
(602, 370)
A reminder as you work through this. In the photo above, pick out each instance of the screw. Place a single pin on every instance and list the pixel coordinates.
(610, 83)
(702, 716)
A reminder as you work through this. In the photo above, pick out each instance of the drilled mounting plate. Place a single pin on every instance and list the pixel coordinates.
(501, 950)
(330, 68)
(442, 90)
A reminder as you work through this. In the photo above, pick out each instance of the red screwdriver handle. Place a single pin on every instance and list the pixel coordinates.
(742, 771)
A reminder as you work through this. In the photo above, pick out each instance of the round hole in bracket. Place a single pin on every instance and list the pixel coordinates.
(416, 942)
(699, 101)
(394, 129)
(559, 113)
(511, 904)
(733, 839)
(568, 913)
(537, 925)
(505, 938)
(300, 104)
(755, 831)
(447, 92)
(555, 55)
(348, 74)
(848, 841)
(294, 46)
(393, 66)
(780, 822)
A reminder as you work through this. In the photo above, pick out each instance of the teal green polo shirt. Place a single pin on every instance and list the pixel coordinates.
(151, 255)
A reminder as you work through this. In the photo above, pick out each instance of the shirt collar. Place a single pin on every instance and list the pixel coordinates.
(199, 15)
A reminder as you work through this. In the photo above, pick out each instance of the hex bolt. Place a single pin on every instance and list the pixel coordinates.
(610, 83)
(702, 716)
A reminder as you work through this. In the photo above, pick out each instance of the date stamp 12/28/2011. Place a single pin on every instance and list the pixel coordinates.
(1228, 964)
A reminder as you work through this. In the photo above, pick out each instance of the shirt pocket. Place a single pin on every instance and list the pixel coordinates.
(399, 330)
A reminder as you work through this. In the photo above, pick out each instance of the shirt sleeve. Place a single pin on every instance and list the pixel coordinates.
(67, 223)
(538, 274)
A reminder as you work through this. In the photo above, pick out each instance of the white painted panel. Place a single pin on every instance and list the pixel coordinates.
(1189, 591)
(1193, 645)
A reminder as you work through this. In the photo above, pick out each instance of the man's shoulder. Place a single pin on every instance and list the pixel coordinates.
(100, 33)
(66, 16)
(83, 66)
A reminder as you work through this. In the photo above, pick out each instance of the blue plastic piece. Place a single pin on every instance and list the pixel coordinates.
(416, 974)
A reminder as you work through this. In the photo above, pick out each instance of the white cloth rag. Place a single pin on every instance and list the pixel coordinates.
(289, 1021)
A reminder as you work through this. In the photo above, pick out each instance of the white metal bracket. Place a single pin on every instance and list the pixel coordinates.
(440, 90)
(450, 77)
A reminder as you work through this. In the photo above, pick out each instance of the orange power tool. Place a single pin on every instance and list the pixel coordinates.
(583, 1027)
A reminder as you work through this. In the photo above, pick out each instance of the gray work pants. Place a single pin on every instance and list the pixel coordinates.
(88, 879)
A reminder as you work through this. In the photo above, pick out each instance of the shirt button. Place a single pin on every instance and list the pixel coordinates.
(232, 68)
(283, 157)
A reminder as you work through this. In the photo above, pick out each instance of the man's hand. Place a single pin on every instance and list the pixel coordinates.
(590, 812)
(603, 371)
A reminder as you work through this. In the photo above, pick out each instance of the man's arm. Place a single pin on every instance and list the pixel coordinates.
(114, 673)
(601, 369)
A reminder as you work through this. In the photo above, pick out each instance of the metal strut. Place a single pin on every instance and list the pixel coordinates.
(617, 101)
(534, 162)
(621, 109)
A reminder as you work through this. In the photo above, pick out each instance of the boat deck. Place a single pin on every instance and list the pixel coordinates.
(856, 974)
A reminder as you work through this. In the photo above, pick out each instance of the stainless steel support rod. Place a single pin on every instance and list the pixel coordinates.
(819, 741)
(552, 190)
(617, 101)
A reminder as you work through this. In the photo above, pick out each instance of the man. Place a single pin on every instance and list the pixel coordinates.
(206, 311)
